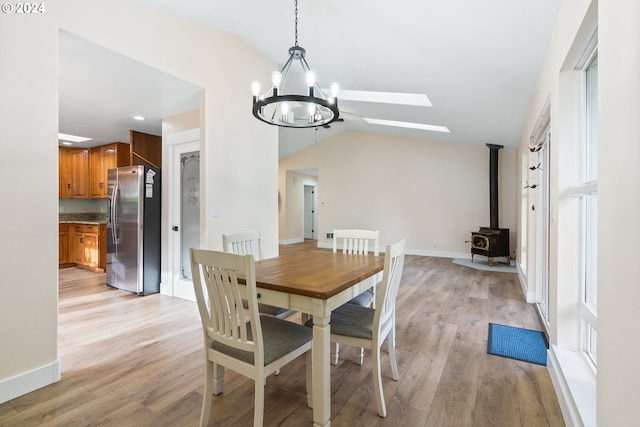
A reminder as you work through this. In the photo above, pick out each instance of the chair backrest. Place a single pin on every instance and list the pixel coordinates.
(357, 241)
(248, 242)
(388, 291)
(224, 319)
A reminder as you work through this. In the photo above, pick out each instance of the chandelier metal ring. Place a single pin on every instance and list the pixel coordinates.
(258, 110)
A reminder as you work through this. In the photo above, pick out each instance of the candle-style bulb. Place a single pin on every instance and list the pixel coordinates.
(311, 78)
(255, 88)
(276, 79)
(335, 88)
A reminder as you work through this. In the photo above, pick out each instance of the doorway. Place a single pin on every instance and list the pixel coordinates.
(310, 212)
(184, 210)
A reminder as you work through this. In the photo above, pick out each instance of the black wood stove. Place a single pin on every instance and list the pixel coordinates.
(491, 241)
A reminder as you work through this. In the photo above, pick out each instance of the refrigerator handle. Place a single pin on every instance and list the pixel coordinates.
(114, 200)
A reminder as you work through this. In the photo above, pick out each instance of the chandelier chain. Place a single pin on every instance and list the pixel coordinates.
(296, 13)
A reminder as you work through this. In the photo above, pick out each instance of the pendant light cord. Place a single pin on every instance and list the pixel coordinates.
(296, 13)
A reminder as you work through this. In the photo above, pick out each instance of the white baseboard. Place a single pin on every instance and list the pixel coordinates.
(291, 241)
(530, 296)
(13, 387)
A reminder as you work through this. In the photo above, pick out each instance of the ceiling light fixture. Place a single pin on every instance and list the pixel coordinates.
(140, 118)
(295, 110)
(72, 138)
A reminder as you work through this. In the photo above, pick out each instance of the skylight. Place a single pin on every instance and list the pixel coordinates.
(409, 125)
(416, 99)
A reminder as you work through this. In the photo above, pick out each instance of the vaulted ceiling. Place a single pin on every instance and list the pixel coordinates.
(477, 62)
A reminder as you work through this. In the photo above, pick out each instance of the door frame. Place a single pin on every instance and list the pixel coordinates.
(178, 142)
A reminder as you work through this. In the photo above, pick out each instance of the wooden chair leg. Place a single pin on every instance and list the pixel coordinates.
(309, 363)
(258, 409)
(207, 394)
(377, 382)
(335, 353)
(391, 340)
(218, 378)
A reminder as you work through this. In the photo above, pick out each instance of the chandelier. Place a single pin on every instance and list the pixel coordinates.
(309, 107)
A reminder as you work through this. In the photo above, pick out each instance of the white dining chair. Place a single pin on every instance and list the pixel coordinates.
(256, 347)
(368, 327)
(356, 242)
(250, 242)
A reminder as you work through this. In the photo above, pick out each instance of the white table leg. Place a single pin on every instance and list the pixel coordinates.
(321, 367)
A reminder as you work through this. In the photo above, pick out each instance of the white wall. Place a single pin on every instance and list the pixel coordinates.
(28, 187)
(615, 392)
(235, 182)
(619, 212)
(431, 193)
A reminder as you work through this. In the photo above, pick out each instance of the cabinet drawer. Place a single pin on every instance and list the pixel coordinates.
(91, 229)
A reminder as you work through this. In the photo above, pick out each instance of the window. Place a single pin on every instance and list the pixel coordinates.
(587, 192)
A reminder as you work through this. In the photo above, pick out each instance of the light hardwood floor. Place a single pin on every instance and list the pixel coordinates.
(138, 361)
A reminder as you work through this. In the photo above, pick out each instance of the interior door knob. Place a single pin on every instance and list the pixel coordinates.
(174, 228)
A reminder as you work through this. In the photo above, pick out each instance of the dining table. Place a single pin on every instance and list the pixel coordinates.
(315, 283)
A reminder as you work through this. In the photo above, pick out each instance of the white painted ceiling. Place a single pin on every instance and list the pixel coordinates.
(478, 62)
(101, 91)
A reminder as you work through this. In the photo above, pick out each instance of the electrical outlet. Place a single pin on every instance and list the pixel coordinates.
(329, 235)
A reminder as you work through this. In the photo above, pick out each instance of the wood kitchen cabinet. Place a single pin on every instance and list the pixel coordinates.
(65, 243)
(146, 149)
(89, 246)
(103, 158)
(73, 173)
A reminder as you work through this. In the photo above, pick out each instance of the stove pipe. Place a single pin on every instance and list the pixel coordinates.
(493, 185)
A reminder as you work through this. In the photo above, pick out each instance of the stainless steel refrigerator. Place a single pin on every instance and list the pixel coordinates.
(133, 229)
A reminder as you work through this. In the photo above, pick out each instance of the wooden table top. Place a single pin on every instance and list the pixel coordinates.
(317, 274)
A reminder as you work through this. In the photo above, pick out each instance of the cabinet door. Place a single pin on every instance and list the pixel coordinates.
(78, 249)
(91, 257)
(78, 173)
(63, 173)
(96, 177)
(102, 159)
(63, 244)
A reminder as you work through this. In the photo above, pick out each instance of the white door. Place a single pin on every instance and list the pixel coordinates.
(543, 227)
(309, 212)
(184, 217)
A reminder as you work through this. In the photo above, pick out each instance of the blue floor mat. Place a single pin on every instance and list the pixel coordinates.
(516, 343)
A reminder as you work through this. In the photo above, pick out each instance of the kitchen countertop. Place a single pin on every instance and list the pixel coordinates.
(83, 218)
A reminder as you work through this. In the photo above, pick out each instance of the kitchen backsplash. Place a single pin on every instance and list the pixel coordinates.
(68, 206)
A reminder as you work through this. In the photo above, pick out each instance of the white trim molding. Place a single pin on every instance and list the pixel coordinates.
(575, 383)
(26, 382)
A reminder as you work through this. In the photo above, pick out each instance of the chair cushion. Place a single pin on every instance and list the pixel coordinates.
(364, 299)
(271, 310)
(351, 320)
(280, 338)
